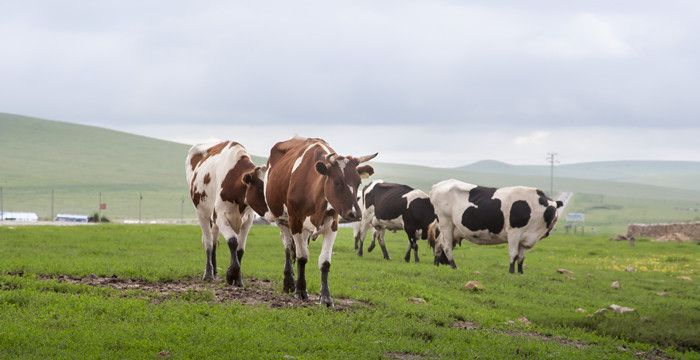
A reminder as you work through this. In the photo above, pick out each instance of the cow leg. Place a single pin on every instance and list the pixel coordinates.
(215, 238)
(233, 273)
(443, 248)
(324, 264)
(301, 245)
(415, 250)
(288, 242)
(372, 243)
(513, 254)
(379, 235)
(521, 258)
(208, 243)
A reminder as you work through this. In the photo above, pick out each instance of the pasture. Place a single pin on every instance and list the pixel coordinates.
(385, 309)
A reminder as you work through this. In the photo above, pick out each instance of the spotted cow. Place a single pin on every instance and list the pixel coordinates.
(307, 187)
(389, 206)
(226, 189)
(519, 216)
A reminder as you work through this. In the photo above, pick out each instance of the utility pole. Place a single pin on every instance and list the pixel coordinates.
(99, 207)
(140, 200)
(551, 157)
(2, 205)
(52, 208)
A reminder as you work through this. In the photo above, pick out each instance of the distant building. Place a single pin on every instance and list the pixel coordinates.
(19, 216)
(71, 218)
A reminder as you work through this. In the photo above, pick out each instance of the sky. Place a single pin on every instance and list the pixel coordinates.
(442, 83)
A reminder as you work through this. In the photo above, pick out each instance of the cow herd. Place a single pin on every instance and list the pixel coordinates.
(306, 189)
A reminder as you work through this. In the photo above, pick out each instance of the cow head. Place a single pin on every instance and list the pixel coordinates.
(255, 190)
(342, 176)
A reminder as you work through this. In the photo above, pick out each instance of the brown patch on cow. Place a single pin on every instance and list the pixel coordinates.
(255, 292)
(207, 178)
(196, 159)
(233, 188)
(217, 149)
(233, 143)
(198, 197)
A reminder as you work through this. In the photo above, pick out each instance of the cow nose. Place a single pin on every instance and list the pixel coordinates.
(352, 215)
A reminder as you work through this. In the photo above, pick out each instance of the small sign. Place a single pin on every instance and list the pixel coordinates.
(575, 217)
(103, 206)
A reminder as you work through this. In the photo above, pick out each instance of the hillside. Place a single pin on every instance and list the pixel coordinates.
(676, 174)
(79, 162)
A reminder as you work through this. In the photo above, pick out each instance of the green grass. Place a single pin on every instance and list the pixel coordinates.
(47, 319)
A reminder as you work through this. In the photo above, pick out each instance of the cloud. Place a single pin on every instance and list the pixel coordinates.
(533, 138)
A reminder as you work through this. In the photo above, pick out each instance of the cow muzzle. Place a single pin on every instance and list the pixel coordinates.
(351, 216)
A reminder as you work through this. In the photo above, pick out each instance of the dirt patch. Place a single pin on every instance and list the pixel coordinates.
(558, 339)
(255, 291)
(403, 356)
(654, 354)
(465, 325)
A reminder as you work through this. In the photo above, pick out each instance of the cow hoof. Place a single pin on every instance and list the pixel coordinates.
(301, 295)
(359, 253)
(407, 259)
(208, 277)
(238, 283)
(453, 265)
(288, 286)
(387, 258)
(326, 300)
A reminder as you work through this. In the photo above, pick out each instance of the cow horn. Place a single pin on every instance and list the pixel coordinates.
(330, 157)
(362, 159)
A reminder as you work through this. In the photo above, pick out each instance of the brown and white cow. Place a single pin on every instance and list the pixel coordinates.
(307, 187)
(226, 188)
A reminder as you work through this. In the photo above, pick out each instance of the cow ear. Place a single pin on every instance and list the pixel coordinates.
(559, 204)
(248, 178)
(322, 168)
(365, 171)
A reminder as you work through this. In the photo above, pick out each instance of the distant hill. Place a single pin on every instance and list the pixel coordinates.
(78, 163)
(677, 174)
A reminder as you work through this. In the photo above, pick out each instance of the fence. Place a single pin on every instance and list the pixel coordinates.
(690, 230)
(168, 205)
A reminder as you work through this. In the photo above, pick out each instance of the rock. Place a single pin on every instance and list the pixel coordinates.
(476, 273)
(662, 293)
(620, 309)
(565, 271)
(524, 320)
(615, 285)
(686, 278)
(510, 322)
(417, 300)
(599, 311)
(677, 237)
(473, 285)
(580, 310)
(630, 268)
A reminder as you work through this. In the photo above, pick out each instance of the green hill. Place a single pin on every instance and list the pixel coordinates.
(79, 162)
(676, 174)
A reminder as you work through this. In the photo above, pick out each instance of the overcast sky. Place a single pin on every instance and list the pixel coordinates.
(441, 83)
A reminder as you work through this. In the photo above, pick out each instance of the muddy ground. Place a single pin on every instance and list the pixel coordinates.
(254, 292)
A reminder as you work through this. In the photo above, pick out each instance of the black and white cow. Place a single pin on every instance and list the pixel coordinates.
(388, 206)
(518, 215)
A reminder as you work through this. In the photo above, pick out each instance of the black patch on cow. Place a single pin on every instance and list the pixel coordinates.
(542, 198)
(388, 200)
(559, 204)
(487, 214)
(420, 215)
(519, 214)
(549, 215)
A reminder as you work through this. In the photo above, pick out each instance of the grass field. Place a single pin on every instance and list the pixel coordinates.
(44, 318)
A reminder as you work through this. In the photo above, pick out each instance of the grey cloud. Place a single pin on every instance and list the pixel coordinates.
(483, 64)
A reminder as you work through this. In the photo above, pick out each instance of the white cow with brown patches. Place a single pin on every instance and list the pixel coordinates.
(226, 189)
